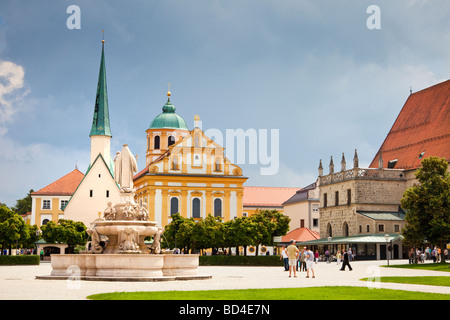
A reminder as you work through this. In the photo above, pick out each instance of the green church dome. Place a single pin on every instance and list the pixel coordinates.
(168, 119)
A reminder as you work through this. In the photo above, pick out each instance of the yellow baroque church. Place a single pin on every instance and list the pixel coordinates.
(187, 173)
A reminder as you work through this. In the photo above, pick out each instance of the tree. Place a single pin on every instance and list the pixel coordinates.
(428, 205)
(72, 233)
(14, 232)
(23, 206)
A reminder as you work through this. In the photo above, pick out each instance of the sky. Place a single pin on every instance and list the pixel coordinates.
(329, 76)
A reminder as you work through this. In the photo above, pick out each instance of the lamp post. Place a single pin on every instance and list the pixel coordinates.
(386, 237)
(329, 249)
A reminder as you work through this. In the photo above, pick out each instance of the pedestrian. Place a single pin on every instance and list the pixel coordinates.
(350, 256)
(285, 258)
(316, 256)
(302, 259)
(327, 256)
(309, 263)
(346, 261)
(292, 252)
(411, 256)
(338, 257)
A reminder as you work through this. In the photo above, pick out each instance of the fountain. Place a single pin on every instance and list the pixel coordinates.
(117, 251)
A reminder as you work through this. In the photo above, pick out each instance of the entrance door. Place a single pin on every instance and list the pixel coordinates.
(382, 252)
(396, 251)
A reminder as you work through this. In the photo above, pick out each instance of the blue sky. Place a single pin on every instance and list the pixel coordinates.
(311, 69)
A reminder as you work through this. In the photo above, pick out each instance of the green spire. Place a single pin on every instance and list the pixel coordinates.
(100, 123)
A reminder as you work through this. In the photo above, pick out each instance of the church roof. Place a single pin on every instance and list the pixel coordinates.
(100, 122)
(168, 118)
(303, 195)
(64, 186)
(422, 129)
(267, 196)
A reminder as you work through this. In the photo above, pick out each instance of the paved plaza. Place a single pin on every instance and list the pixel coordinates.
(19, 282)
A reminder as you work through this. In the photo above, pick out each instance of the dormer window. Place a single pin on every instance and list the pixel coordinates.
(392, 163)
(421, 155)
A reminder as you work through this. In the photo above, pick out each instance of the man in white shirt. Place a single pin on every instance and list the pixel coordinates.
(309, 263)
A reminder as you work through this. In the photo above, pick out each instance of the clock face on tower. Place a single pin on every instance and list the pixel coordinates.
(311, 194)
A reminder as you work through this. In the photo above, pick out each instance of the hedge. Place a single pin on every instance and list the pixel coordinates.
(19, 260)
(220, 260)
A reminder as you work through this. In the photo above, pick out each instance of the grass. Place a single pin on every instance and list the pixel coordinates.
(311, 293)
(425, 280)
(424, 266)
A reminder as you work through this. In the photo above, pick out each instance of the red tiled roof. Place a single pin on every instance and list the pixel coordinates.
(267, 196)
(301, 235)
(423, 124)
(64, 186)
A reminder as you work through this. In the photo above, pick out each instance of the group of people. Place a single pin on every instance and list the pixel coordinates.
(304, 259)
(417, 256)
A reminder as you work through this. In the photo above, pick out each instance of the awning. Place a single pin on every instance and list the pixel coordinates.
(365, 238)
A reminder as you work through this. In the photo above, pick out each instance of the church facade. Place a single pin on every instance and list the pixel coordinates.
(187, 173)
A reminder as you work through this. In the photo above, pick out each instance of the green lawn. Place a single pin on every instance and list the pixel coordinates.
(426, 280)
(313, 293)
(424, 266)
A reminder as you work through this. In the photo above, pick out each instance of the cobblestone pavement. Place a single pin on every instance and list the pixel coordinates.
(19, 282)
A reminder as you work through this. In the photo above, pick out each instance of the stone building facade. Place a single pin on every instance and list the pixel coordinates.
(361, 202)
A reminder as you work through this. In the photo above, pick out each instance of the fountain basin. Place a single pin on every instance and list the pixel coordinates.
(112, 228)
(128, 267)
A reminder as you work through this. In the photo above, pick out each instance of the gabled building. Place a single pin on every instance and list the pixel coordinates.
(303, 208)
(98, 187)
(48, 203)
(187, 173)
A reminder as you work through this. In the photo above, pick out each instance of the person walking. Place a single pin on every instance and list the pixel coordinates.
(292, 252)
(285, 258)
(309, 263)
(346, 261)
(338, 257)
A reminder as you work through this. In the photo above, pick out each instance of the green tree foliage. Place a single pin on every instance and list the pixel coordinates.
(72, 233)
(23, 206)
(428, 205)
(211, 232)
(14, 232)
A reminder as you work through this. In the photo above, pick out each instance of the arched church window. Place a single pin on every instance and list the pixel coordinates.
(345, 229)
(329, 230)
(196, 208)
(156, 144)
(217, 207)
(174, 206)
(170, 140)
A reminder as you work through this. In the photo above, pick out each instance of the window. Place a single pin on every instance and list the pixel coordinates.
(329, 230)
(45, 221)
(336, 198)
(391, 164)
(325, 200)
(156, 142)
(174, 206)
(46, 205)
(349, 196)
(217, 207)
(316, 223)
(315, 208)
(381, 227)
(368, 228)
(345, 229)
(396, 227)
(91, 193)
(170, 140)
(175, 163)
(196, 208)
(107, 193)
(218, 165)
(302, 223)
(360, 229)
(63, 204)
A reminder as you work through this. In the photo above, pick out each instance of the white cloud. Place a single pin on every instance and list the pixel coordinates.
(12, 91)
